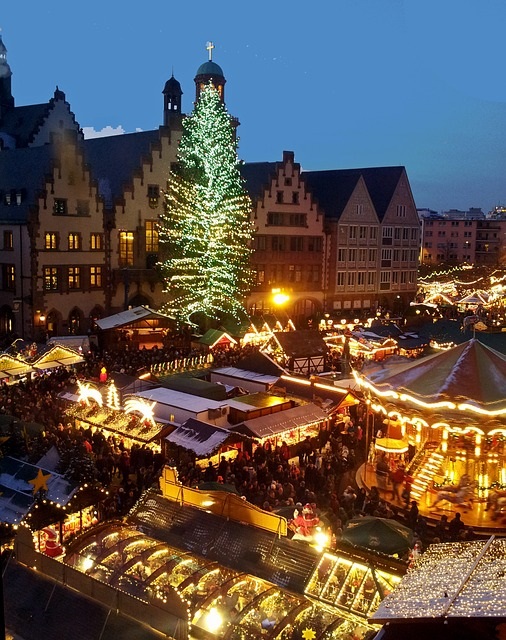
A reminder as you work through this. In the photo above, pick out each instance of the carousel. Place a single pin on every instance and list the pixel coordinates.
(444, 422)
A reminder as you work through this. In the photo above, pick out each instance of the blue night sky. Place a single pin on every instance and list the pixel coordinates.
(342, 83)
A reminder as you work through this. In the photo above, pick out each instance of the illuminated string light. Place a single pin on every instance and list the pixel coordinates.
(206, 228)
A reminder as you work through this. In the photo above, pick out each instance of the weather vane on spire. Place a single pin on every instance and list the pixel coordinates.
(210, 47)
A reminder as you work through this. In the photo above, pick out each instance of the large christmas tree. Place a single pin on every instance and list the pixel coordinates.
(206, 229)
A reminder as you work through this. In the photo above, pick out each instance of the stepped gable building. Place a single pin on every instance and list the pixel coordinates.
(78, 222)
(340, 242)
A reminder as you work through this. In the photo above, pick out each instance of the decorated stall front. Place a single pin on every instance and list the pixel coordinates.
(451, 409)
(133, 420)
(53, 508)
(291, 426)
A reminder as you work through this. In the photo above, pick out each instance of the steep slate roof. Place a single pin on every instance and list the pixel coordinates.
(333, 188)
(23, 170)
(258, 176)
(22, 122)
(113, 160)
(300, 344)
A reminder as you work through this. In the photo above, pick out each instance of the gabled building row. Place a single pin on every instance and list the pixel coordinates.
(78, 222)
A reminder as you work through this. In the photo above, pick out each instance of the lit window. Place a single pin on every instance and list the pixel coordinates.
(9, 277)
(51, 241)
(74, 241)
(74, 279)
(51, 279)
(151, 236)
(126, 248)
(96, 241)
(96, 277)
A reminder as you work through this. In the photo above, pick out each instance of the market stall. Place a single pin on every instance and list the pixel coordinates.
(132, 420)
(291, 426)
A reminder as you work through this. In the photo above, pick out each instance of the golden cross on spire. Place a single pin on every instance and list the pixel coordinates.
(210, 47)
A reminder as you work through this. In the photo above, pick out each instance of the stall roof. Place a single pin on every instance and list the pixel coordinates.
(194, 386)
(200, 437)
(58, 356)
(301, 343)
(179, 399)
(131, 316)
(469, 371)
(212, 337)
(12, 366)
(281, 421)
(452, 580)
(19, 481)
(251, 376)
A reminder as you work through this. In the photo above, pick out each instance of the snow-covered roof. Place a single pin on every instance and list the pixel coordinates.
(131, 316)
(17, 488)
(242, 374)
(180, 400)
(457, 579)
(200, 437)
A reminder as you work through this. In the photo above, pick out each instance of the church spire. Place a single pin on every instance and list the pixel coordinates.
(6, 99)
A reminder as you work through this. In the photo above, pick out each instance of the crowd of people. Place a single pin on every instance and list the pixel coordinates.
(317, 471)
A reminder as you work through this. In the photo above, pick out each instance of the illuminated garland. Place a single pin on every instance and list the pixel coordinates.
(206, 228)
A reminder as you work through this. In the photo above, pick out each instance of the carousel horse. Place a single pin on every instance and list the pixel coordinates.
(469, 321)
(462, 494)
(496, 502)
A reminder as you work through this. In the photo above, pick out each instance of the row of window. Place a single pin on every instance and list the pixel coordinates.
(370, 255)
(428, 257)
(398, 233)
(364, 232)
(453, 234)
(288, 243)
(56, 278)
(453, 223)
(287, 273)
(448, 245)
(387, 278)
(74, 241)
(281, 219)
(52, 241)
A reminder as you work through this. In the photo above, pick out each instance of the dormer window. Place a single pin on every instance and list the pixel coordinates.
(279, 197)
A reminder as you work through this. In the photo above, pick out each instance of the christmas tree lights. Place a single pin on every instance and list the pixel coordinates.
(206, 229)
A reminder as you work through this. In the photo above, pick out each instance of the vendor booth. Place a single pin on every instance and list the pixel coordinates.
(291, 426)
(134, 328)
(131, 419)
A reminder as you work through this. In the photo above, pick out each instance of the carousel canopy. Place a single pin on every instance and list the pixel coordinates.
(469, 376)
